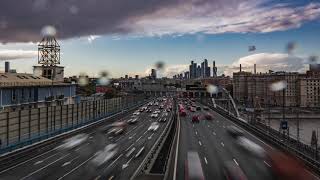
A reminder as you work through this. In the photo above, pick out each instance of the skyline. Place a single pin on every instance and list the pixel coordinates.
(153, 38)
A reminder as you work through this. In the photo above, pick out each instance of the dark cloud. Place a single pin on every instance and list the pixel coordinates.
(22, 20)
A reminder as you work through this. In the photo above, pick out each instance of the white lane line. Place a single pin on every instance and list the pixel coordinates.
(196, 133)
(69, 162)
(138, 138)
(177, 149)
(145, 132)
(214, 133)
(115, 160)
(97, 178)
(150, 136)
(222, 144)
(235, 161)
(192, 125)
(205, 160)
(45, 159)
(208, 126)
(26, 161)
(267, 164)
(44, 167)
(129, 147)
(76, 167)
(200, 143)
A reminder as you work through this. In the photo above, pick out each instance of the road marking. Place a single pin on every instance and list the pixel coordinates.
(192, 125)
(214, 133)
(138, 138)
(196, 133)
(76, 167)
(205, 160)
(69, 162)
(200, 143)
(26, 161)
(208, 126)
(235, 161)
(267, 163)
(129, 147)
(111, 177)
(97, 178)
(145, 132)
(222, 144)
(44, 167)
(150, 136)
(115, 160)
(177, 149)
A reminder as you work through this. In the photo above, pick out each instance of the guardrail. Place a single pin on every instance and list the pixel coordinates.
(147, 163)
(310, 162)
(10, 159)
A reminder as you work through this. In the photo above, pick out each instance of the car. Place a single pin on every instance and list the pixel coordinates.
(132, 120)
(251, 147)
(234, 131)
(205, 108)
(163, 119)
(154, 126)
(141, 110)
(233, 172)
(168, 110)
(198, 108)
(156, 104)
(157, 111)
(208, 116)
(136, 113)
(161, 107)
(149, 110)
(117, 128)
(183, 113)
(150, 104)
(195, 119)
(105, 155)
(74, 141)
(192, 109)
(154, 115)
(193, 167)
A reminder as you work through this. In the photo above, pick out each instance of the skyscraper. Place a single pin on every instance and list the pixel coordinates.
(198, 72)
(153, 74)
(206, 73)
(214, 69)
(203, 69)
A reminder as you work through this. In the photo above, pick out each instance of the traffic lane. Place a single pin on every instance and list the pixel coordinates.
(80, 171)
(188, 142)
(133, 163)
(44, 160)
(253, 167)
(114, 166)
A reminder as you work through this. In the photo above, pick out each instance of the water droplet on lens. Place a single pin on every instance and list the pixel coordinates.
(83, 80)
(48, 31)
(74, 9)
(104, 78)
(278, 86)
(212, 89)
(160, 65)
(291, 47)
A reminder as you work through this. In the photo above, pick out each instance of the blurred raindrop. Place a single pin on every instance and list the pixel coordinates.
(278, 86)
(291, 47)
(83, 79)
(104, 78)
(313, 59)
(48, 31)
(212, 89)
(160, 65)
(251, 48)
(73, 9)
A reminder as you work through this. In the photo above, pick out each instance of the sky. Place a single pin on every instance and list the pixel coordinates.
(130, 37)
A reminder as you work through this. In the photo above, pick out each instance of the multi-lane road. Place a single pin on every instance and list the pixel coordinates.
(216, 147)
(77, 162)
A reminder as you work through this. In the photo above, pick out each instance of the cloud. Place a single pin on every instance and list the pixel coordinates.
(75, 18)
(91, 38)
(17, 54)
(169, 70)
(268, 61)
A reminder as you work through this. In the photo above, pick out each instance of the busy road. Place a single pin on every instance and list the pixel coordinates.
(213, 147)
(113, 151)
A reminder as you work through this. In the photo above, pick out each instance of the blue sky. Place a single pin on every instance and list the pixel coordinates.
(153, 38)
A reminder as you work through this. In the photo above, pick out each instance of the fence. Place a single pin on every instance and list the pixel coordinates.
(23, 127)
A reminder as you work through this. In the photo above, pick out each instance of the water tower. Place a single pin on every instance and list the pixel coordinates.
(49, 59)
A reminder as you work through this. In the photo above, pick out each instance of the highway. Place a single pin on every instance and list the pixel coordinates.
(76, 163)
(216, 147)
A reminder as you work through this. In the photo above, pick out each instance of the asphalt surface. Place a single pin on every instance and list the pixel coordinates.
(215, 147)
(77, 162)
